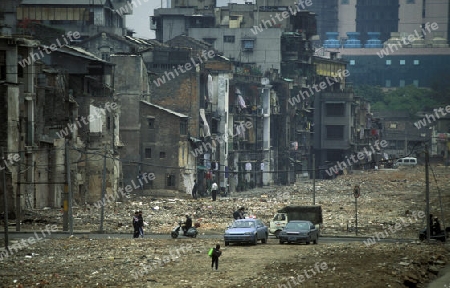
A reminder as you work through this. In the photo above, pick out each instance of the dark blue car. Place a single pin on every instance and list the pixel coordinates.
(299, 231)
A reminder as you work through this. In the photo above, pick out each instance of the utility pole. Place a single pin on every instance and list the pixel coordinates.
(102, 215)
(356, 216)
(69, 189)
(66, 190)
(427, 192)
(18, 200)
(314, 178)
(5, 203)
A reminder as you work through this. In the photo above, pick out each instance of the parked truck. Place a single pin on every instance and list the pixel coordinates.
(288, 213)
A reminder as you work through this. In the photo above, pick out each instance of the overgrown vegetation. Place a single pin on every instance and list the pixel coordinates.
(409, 98)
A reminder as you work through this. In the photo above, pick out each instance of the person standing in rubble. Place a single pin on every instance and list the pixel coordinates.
(436, 228)
(239, 214)
(194, 190)
(214, 191)
(141, 224)
(135, 223)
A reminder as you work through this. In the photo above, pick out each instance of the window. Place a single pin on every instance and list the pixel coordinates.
(388, 83)
(228, 39)
(352, 62)
(416, 83)
(170, 180)
(402, 83)
(345, 2)
(388, 62)
(410, 1)
(214, 126)
(335, 132)
(148, 153)
(183, 127)
(393, 126)
(335, 109)
(402, 62)
(105, 56)
(162, 154)
(416, 62)
(151, 123)
(248, 44)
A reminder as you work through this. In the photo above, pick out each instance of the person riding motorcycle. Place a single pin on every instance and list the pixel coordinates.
(187, 224)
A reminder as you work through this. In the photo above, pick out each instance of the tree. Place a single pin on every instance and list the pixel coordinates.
(372, 93)
(409, 98)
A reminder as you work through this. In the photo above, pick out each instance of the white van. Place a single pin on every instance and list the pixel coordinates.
(407, 161)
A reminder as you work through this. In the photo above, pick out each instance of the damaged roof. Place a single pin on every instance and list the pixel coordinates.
(80, 52)
(165, 109)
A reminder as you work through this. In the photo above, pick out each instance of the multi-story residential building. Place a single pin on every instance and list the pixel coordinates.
(274, 51)
(84, 16)
(86, 119)
(165, 147)
(17, 133)
(66, 112)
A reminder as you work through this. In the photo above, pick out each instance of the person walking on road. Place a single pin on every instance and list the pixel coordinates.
(214, 191)
(215, 257)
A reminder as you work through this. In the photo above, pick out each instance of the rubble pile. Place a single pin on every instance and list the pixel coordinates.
(387, 197)
(83, 262)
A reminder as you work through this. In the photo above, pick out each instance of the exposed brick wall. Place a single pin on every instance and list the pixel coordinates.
(180, 94)
(163, 138)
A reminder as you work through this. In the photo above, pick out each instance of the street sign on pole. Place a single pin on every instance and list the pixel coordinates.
(356, 191)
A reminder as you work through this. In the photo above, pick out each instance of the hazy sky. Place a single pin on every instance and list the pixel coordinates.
(139, 21)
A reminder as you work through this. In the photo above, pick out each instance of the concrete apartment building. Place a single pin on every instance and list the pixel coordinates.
(280, 55)
(84, 16)
(46, 104)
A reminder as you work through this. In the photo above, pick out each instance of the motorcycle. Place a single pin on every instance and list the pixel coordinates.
(192, 232)
(441, 236)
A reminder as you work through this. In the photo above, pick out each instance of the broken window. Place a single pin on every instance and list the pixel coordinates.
(162, 154)
(170, 180)
(151, 123)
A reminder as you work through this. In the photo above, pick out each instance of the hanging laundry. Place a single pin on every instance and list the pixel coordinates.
(241, 102)
(210, 87)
